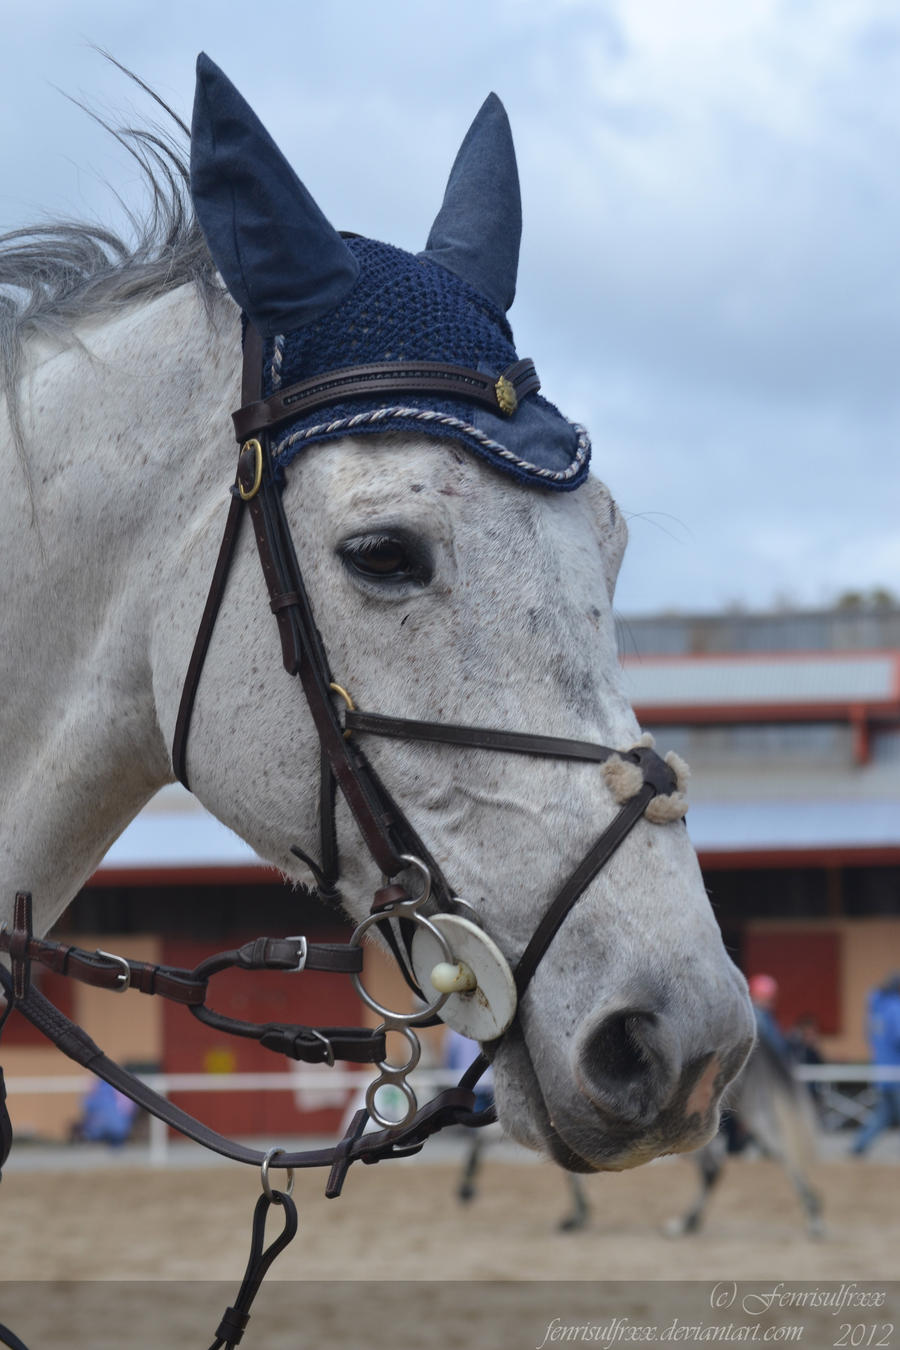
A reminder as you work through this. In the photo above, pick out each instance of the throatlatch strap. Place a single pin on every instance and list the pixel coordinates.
(202, 640)
(249, 390)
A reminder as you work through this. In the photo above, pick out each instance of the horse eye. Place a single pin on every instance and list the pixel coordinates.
(386, 557)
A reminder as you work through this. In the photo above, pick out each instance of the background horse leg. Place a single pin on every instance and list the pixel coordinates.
(797, 1151)
(581, 1210)
(778, 1113)
(709, 1161)
(811, 1201)
(466, 1188)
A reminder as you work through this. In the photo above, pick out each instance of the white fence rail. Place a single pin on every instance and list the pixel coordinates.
(837, 1106)
(343, 1089)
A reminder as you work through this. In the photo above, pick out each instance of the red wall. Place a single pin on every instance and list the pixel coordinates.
(807, 966)
(307, 997)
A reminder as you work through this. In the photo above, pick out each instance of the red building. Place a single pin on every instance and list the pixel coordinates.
(791, 725)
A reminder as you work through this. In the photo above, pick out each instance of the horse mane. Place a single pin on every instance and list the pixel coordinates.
(55, 275)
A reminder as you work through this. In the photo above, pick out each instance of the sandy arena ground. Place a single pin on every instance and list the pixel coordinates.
(184, 1234)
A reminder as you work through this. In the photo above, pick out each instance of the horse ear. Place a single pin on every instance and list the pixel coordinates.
(282, 261)
(477, 231)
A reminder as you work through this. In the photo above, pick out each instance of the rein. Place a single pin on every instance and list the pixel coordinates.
(389, 836)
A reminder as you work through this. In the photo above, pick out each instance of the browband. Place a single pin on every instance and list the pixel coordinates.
(501, 393)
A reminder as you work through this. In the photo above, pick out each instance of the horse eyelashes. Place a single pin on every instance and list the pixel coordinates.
(387, 557)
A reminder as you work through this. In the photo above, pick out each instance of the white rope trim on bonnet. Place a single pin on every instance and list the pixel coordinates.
(276, 363)
(625, 781)
(348, 424)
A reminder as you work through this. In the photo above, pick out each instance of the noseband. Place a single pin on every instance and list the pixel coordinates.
(436, 916)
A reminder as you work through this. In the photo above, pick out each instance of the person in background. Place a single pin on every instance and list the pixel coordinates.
(803, 1038)
(883, 1030)
(107, 1116)
(764, 996)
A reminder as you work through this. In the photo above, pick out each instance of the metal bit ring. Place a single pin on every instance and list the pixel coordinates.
(424, 872)
(403, 909)
(394, 1075)
(384, 1121)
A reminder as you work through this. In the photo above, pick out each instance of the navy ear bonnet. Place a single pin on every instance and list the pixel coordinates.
(404, 308)
(323, 302)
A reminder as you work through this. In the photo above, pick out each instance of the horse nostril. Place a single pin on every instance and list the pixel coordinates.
(628, 1064)
(618, 1046)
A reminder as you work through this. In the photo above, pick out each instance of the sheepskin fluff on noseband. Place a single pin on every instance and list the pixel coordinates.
(625, 780)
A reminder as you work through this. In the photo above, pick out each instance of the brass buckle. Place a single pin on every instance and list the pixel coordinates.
(254, 446)
(351, 706)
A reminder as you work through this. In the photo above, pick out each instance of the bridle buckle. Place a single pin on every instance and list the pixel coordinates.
(250, 469)
(302, 952)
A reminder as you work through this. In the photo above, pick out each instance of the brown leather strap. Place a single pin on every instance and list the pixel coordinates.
(187, 987)
(453, 1106)
(303, 656)
(252, 365)
(202, 640)
(231, 1328)
(388, 379)
(249, 390)
(483, 738)
(302, 650)
(321, 1045)
(578, 883)
(294, 953)
(303, 653)
(17, 943)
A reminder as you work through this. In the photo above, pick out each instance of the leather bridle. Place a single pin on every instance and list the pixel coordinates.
(389, 836)
(385, 828)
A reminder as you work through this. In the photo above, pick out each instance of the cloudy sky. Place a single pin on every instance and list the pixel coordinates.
(709, 275)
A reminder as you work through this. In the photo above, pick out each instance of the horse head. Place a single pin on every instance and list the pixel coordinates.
(460, 564)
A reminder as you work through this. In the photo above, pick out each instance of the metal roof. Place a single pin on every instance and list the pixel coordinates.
(784, 681)
(785, 825)
(174, 834)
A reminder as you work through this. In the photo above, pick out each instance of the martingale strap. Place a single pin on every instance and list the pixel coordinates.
(454, 1106)
(231, 1329)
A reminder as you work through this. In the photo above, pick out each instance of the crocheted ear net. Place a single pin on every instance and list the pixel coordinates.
(405, 308)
